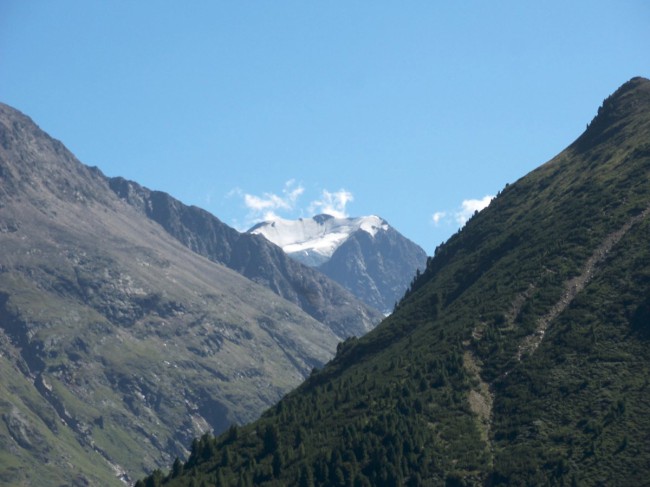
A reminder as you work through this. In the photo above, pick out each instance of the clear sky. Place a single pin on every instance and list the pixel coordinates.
(413, 111)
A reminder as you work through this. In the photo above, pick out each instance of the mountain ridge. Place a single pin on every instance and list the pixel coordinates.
(459, 386)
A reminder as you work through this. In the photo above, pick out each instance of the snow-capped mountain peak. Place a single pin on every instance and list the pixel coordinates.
(314, 240)
(365, 255)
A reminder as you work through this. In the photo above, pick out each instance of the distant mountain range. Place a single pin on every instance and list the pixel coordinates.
(131, 323)
(519, 356)
(254, 257)
(365, 255)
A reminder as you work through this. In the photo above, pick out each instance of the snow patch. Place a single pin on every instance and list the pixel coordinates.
(320, 235)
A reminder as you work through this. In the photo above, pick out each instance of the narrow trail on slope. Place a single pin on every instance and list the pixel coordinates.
(481, 397)
(574, 286)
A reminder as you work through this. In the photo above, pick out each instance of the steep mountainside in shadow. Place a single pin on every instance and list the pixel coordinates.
(118, 343)
(254, 257)
(376, 268)
(519, 357)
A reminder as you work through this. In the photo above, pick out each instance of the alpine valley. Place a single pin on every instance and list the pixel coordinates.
(519, 356)
(131, 323)
(365, 255)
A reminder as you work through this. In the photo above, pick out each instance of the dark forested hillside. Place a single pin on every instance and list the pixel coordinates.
(518, 357)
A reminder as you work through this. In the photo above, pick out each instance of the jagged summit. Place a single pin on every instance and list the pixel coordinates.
(314, 240)
(364, 254)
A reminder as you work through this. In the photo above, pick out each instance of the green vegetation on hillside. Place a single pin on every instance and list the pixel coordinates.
(518, 357)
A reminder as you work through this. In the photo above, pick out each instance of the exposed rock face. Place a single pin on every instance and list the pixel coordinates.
(377, 269)
(119, 340)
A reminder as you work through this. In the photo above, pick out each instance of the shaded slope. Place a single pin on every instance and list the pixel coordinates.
(117, 343)
(376, 268)
(458, 386)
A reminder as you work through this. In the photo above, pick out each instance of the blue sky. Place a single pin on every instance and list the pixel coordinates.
(413, 111)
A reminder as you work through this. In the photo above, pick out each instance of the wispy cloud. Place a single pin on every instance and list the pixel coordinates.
(285, 204)
(469, 207)
(438, 217)
(332, 203)
(266, 206)
(463, 213)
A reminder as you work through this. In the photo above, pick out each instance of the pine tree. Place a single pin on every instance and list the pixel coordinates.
(306, 477)
(177, 468)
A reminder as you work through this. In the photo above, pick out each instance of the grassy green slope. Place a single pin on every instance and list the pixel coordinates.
(518, 357)
(577, 408)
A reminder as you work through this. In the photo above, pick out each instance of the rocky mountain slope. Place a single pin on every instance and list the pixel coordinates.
(518, 357)
(119, 340)
(365, 255)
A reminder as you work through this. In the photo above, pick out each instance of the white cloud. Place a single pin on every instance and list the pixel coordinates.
(332, 203)
(286, 204)
(461, 214)
(438, 216)
(268, 200)
(468, 207)
(265, 206)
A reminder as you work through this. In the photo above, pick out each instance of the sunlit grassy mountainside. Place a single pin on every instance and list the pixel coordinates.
(518, 357)
(119, 342)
